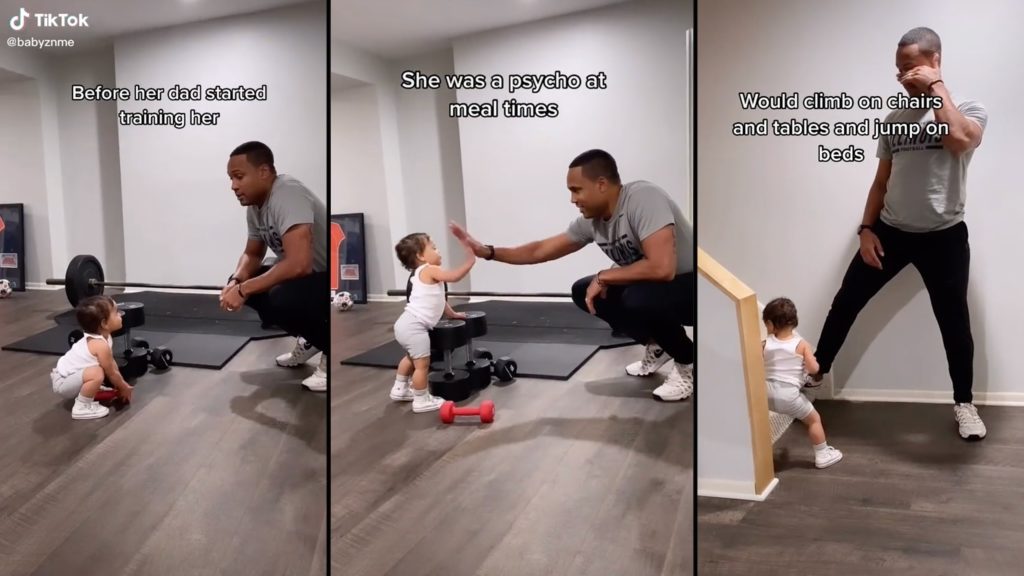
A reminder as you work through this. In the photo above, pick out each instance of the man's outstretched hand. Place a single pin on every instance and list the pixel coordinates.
(472, 243)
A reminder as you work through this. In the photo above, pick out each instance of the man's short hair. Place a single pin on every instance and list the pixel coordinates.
(926, 39)
(257, 153)
(595, 164)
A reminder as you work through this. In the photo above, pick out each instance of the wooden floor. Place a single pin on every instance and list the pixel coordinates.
(909, 497)
(587, 476)
(207, 472)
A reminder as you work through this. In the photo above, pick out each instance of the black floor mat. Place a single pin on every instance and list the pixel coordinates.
(195, 350)
(192, 326)
(555, 361)
(536, 314)
(544, 323)
(189, 313)
(546, 339)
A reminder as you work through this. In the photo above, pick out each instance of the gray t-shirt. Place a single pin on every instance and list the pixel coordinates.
(643, 209)
(927, 188)
(288, 204)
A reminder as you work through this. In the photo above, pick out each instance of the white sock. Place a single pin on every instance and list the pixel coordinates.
(84, 400)
(820, 447)
(419, 392)
(401, 380)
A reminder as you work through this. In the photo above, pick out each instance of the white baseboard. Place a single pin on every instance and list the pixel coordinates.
(41, 286)
(384, 298)
(928, 397)
(733, 489)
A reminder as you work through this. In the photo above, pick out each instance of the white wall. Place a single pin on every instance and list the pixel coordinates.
(90, 165)
(52, 239)
(175, 181)
(514, 170)
(23, 169)
(432, 159)
(785, 223)
(358, 65)
(357, 182)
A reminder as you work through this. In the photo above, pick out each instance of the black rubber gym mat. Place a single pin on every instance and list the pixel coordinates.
(558, 361)
(189, 349)
(600, 338)
(544, 322)
(190, 314)
(536, 314)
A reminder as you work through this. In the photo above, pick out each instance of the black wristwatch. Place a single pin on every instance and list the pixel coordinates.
(231, 279)
(862, 228)
(491, 255)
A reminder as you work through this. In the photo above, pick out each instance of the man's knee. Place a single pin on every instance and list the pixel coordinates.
(638, 301)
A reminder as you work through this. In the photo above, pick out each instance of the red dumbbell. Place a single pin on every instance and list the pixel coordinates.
(106, 396)
(449, 411)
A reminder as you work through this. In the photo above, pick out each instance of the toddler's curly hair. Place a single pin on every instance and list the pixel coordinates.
(410, 247)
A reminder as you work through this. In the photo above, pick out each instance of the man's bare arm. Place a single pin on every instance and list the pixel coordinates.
(539, 251)
(251, 259)
(298, 261)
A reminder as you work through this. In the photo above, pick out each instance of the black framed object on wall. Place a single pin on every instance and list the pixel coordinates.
(12, 245)
(348, 255)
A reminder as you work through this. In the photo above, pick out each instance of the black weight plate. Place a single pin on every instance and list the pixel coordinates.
(455, 387)
(76, 280)
(448, 335)
(480, 372)
(132, 314)
(476, 322)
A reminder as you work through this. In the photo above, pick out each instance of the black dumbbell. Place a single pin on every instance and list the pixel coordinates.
(505, 369)
(482, 353)
(161, 358)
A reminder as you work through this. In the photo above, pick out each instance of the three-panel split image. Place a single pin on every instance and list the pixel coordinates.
(509, 288)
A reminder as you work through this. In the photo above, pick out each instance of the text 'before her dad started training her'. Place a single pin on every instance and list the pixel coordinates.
(175, 93)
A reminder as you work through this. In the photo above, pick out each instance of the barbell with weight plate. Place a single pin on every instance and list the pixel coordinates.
(84, 278)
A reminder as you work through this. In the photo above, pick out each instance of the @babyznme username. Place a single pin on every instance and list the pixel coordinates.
(32, 42)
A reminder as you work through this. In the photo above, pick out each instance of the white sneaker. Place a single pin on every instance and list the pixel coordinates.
(678, 385)
(318, 381)
(426, 403)
(88, 411)
(301, 354)
(827, 457)
(402, 391)
(971, 426)
(654, 358)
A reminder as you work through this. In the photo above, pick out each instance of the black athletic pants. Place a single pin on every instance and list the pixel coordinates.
(648, 311)
(943, 260)
(298, 306)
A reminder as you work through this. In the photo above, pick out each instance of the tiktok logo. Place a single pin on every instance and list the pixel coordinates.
(18, 22)
(50, 20)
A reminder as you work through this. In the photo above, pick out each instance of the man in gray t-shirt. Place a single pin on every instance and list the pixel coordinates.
(650, 294)
(915, 215)
(284, 216)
